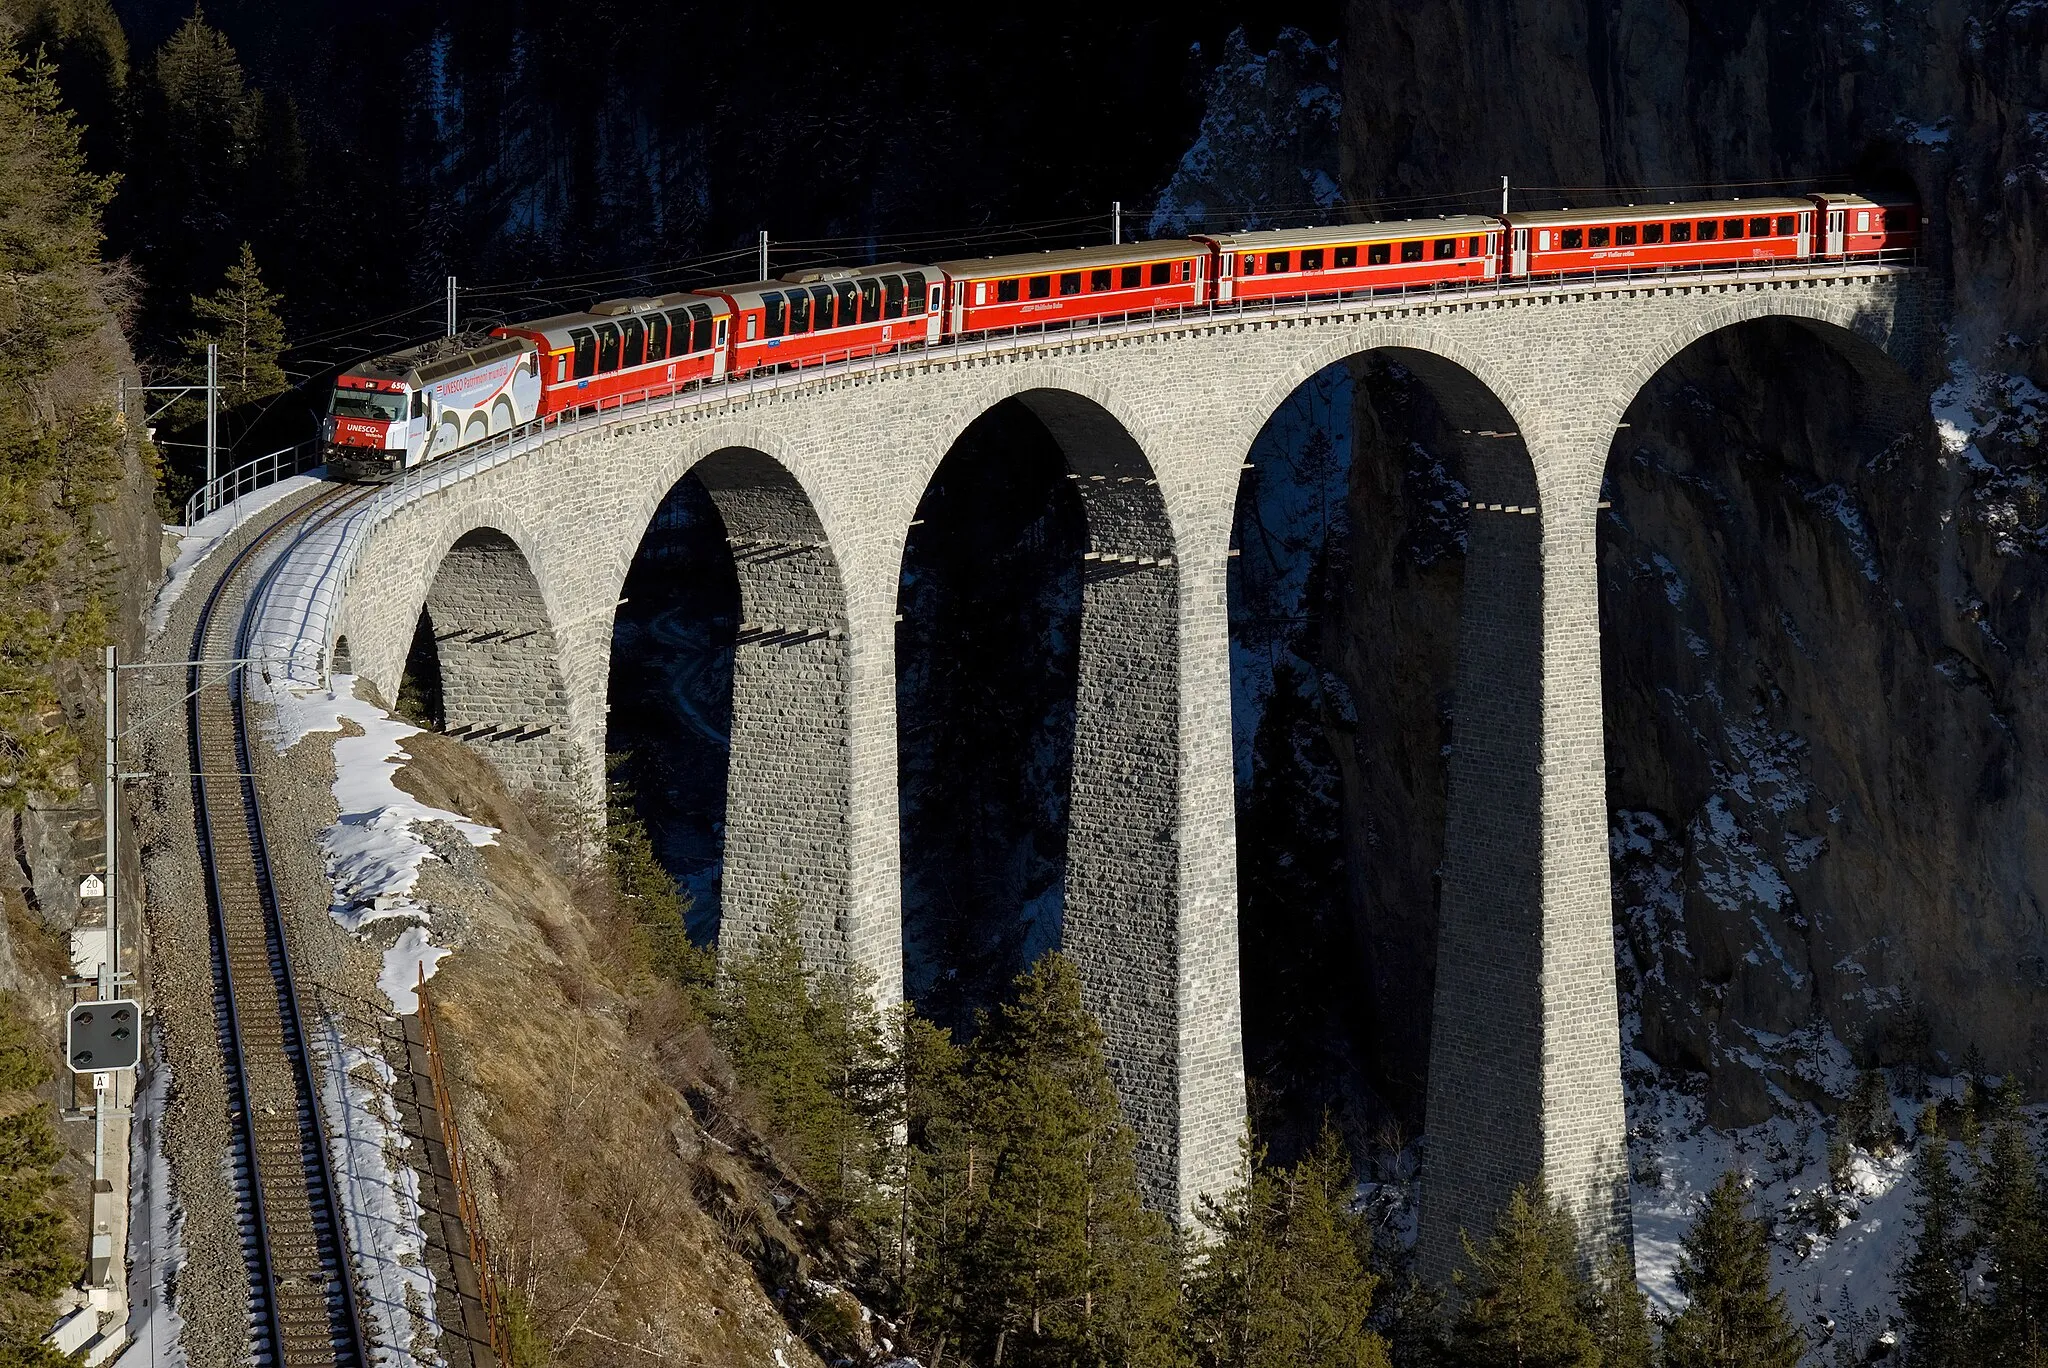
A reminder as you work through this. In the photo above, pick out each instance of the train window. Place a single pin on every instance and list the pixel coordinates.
(1446, 248)
(775, 314)
(1006, 291)
(1625, 236)
(892, 296)
(721, 330)
(752, 319)
(657, 337)
(1162, 273)
(1572, 237)
(1787, 225)
(1312, 259)
(1596, 237)
(1346, 257)
(1070, 282)
(1100, 280)
(821, 307)
(1653, 233)
(1411, 251)
(1708, 229)
(1681, 232)
(419, 397)
(1131, 278)
(1187, 270)
(913, 292)
(1862, 220)
(607, 347)
(419, 407)
(1379, 253)
(1760, 227)
(700, 327)
(1251, 263)
(632, 343)
(849, 302)
(1731, 229)
(870, 301)
(1475, 247)
(937, 291)
(799, 306)
(1276, 261)
(1039, 287)
(585, 342)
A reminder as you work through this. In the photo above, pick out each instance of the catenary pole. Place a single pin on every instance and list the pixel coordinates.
(764, 254)
(110, 968)
(451, 306)
(212, 408)
(1116, 221)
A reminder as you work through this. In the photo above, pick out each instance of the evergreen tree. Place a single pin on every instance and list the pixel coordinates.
(2008, 1206)
(187, 202)
(1523, 1297)
(57, 432)
(1933, 1290)
(1733, 1319)
(1053, 1260)
(812, 1051)
(241, 319)
(1287, 1278)
(35, 1258)
(1620, 1313)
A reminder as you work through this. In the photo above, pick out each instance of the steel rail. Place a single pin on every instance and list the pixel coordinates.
(303, 1307)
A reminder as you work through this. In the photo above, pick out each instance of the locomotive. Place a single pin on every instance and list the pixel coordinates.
(398, 411)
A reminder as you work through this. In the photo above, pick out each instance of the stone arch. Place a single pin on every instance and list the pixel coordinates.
(1484, 1093)
(1122, 897)
(343, 658)
(501, 682)
(1878, 343)
(788, 790)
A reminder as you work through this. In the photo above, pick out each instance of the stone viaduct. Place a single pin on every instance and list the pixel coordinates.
(518, 553)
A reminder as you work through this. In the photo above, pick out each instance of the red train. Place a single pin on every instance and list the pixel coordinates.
(397, 411)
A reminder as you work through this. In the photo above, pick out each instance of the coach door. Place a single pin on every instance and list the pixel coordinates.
(1838, 225)
(718, 352)
(1492, 267)
(934, 314)
(1806, 233)
(1520, 265)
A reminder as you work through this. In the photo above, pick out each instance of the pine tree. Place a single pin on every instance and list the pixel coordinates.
(1523, 1296)
(1620, 1313)
(1054, 1261)
(57, 433)
(810, 1048)
(2011, 1222)
(35, 1258)
(1933, 1291)
(1287, 1277)
(241, 319)
(1733, 1319)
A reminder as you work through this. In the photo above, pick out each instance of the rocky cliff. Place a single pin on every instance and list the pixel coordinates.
(1827, 732)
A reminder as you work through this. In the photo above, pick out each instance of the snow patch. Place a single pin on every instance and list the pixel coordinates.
(156, 1224)
(373, 852)
(380, 1197)
(197, 542)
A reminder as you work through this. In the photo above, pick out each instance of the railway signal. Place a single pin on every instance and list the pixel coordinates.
(104, 1035)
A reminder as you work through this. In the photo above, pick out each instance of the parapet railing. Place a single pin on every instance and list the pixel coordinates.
(465, 1186)
(297, 634)
(223, 490)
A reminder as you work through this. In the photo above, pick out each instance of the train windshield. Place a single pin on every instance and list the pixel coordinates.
(367, 404)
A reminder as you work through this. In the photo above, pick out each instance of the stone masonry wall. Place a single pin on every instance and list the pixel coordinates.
(1153, 840)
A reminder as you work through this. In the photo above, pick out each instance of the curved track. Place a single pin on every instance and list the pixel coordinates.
(302, 1295)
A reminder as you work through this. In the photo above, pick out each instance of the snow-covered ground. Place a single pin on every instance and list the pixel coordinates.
(156, 1254)
(197, 542)
(373, 850)
(380, 1198)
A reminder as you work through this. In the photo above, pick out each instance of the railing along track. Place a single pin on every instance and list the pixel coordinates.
(302, 1296)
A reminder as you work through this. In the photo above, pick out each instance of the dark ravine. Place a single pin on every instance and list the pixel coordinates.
(1827, 735)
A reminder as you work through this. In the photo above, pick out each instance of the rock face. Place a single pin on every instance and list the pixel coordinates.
(1827, 729)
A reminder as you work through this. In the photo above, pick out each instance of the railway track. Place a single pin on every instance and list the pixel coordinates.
(302, 1295)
